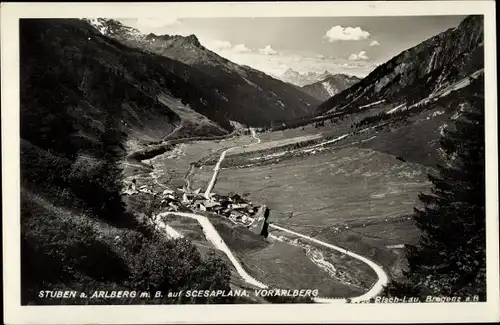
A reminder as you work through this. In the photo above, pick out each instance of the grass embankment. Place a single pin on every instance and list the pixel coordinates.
(279, 265)
(378, 240)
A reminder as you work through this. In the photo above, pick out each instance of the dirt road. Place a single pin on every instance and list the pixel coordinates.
(213, 236)
(221, 158)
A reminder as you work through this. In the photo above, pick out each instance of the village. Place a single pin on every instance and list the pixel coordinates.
(235, 208)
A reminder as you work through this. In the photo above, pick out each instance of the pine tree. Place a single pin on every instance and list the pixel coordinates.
(450, 257)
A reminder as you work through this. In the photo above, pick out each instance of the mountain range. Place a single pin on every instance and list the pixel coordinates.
(250, 96)
(407, 102)
(93, 91)
(301, 79)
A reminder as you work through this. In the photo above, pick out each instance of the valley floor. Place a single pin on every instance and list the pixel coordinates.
(351, 197)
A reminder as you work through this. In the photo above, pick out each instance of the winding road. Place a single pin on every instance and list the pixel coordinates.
(213, 236)
(221, 158)
(375, 290)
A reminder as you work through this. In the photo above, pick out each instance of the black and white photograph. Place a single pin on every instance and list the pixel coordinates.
(286, 160)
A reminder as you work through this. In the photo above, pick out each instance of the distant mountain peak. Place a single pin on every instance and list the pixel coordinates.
(112, 27)
(330, 85)
(302, 79)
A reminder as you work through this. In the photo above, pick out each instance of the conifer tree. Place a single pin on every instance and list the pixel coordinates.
(450, 257)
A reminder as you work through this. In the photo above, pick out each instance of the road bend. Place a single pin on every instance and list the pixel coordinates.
(213, 236)
(377, 287)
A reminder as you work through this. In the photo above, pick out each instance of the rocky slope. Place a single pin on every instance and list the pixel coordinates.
(419, 71)
(251, 97)
(402, 107)
(330, 86)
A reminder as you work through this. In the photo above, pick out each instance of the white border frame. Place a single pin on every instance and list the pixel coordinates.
(315, 313)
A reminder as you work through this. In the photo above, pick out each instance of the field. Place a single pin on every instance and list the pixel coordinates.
(172, 167)
(282, 265)
(348, 195)
(379, 241)
(353, 197)
(332, 187)
(275, 143)
(189, 228)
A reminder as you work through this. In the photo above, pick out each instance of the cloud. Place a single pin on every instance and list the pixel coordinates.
(157, 22)
(225, 47)
(221, 45)
(268, 50)
(339, 33)
(241, 48)
(374, 43)
(361, 56)
(279, 62)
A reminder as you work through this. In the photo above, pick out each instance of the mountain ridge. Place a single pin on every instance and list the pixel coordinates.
(302, 79)
(418, 71)
(257, 99)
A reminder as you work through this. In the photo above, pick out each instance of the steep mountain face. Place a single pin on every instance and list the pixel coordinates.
(302, 79)
(251, 96)
(418, 72)
(93, 74)
(85, 98)
(414, 134)
(330, 86)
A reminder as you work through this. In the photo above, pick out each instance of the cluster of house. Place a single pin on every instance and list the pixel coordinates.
(232, 206)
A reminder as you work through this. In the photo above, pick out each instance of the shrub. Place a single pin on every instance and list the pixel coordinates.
(175, 265)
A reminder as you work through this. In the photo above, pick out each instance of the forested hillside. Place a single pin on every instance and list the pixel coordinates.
(248, 96)
(82, 96)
